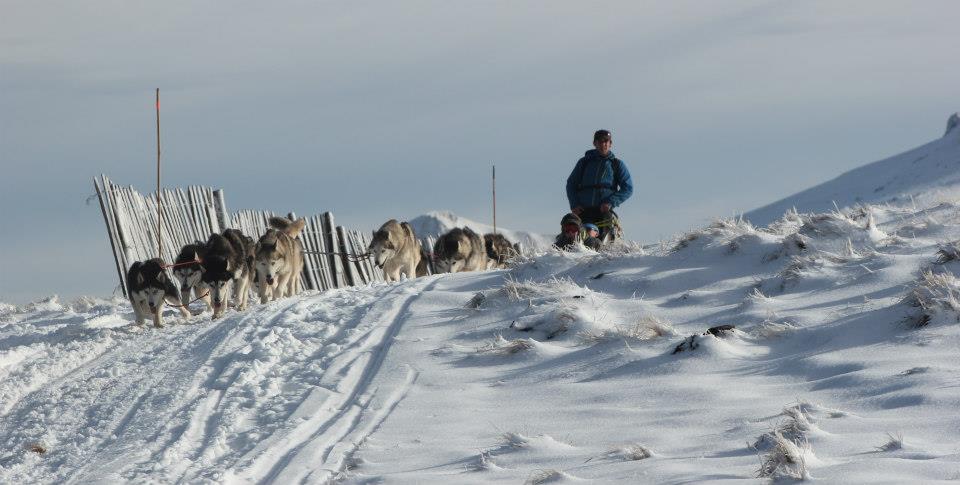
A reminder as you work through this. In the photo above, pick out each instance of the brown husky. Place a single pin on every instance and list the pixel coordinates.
(395, 250)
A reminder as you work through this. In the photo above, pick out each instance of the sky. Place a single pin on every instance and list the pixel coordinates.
(379, 110)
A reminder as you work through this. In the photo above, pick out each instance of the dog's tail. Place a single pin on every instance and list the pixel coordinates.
(288, 227)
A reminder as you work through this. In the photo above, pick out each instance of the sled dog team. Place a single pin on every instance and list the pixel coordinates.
(227, 266)
(223, 269)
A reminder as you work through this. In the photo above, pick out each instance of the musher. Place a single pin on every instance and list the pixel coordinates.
(599, 183)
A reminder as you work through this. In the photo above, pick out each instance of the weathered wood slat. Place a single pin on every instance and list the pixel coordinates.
(192, 214)
(111, 235)
(331, 241)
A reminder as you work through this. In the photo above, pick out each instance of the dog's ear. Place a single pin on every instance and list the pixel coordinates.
(140, 279)
(229, 264)
(196, 256)
(160, 276)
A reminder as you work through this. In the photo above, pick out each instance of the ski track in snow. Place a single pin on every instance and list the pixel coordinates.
(254, 397)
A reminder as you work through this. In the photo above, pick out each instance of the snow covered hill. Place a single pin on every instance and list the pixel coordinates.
(929, 171)
(438, 222)
(823, 346)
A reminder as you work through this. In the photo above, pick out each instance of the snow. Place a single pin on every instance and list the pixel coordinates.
(923, 175)
(841, 367)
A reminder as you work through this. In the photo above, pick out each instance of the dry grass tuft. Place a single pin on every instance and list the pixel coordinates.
(647, 328)
(543, 476)
(932, 294)
(948, 252)
(771, 329)
(513, 440)
(894, 443)
(476, 301)
(502, 346)
(631, 452)
(785, 459)
(554, 288)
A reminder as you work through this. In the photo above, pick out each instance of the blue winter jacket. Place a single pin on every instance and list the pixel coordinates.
(597, 179)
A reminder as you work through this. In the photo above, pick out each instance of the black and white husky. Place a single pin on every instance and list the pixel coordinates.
(227, 269)
(188, 271)
(148, 288)
(461, 249)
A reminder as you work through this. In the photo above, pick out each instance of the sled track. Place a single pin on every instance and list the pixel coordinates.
(195, 353)
(337, 421)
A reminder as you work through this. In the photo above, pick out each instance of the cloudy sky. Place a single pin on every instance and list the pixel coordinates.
(378, 110)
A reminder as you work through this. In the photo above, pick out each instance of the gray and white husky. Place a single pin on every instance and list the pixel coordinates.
(188, 270)
(228, 269)
(149, 288)
(395, 250)
(278, 259)
(499, 250)
(460, 250)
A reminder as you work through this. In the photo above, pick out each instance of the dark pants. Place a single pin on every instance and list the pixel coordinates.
(608, 222)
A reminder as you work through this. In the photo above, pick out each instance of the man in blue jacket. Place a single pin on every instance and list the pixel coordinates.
(598, 183)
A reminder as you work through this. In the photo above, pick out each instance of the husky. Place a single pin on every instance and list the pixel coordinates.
(148, 288)
(460, 250)
(395, 250)
(499, 250)
(278, 259)
(423, 267)
(188, 270)
(228, 269)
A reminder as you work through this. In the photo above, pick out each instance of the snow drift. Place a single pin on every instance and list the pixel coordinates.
(928, 172)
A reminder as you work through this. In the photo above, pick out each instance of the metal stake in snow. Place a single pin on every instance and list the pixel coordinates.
(159, 240)
(494, 199)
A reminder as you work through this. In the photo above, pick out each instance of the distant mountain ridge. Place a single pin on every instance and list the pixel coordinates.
(928, 170)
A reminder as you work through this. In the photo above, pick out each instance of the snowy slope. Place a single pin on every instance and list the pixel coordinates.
(561, 369)
(931, 170)
(439, 222)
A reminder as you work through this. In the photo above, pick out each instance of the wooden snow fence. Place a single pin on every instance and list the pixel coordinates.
(331, 258)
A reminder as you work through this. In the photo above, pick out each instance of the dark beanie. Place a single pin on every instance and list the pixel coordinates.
(571, 218)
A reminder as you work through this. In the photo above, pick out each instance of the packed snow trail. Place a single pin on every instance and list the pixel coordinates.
(268, 395)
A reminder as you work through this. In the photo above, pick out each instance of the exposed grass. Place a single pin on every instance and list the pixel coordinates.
(933, 294)
(502, 346)
(771, 329)
(792, 245)
(784, 451)
(894, 443)
(554, 288)
(797, 268)
(795, 425)
(786, 459)
(646, 328)
(544, 476)
(728, 232)
(829, 225)
(476, 301)
(631, 452)
(513, 440)
(948, 252)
